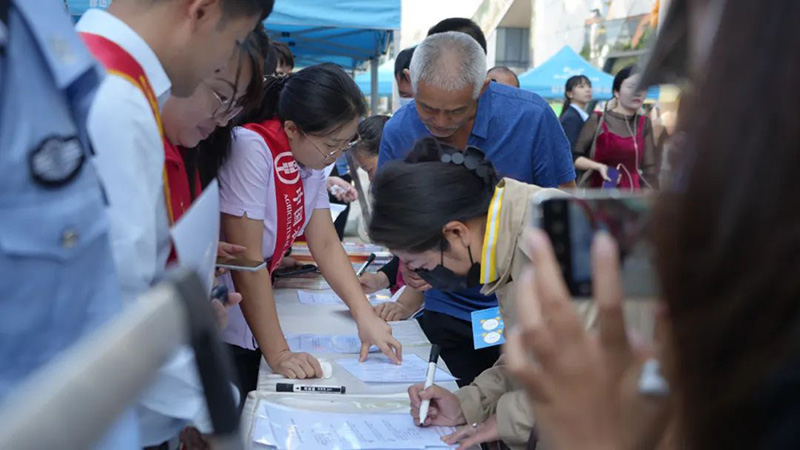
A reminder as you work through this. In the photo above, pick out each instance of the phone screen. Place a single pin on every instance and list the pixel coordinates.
(239, 263)
(571, 224)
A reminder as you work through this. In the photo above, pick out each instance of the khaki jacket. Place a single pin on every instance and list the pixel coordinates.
(494, 392)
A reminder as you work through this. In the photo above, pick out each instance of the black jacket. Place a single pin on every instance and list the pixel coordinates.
(572, 123)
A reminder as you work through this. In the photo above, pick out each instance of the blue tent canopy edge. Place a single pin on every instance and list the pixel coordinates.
(344, 32)
(549, 78)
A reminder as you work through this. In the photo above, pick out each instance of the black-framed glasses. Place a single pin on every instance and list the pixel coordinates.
(227, 109)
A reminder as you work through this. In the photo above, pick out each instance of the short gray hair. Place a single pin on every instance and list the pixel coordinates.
(449, 61)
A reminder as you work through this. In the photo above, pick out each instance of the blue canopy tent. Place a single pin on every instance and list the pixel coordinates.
(345, 32)
(385, 80)
(549, 78)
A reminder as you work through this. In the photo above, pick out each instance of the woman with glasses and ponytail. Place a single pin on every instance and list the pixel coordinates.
(272, 189)
(448, 216)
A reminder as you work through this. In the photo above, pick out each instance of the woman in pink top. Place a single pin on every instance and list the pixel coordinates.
(272, 189)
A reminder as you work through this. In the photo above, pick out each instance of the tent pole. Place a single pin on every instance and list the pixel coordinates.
(373, 98)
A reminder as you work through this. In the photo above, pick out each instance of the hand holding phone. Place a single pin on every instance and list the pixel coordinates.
(614, 175)
(571, 223)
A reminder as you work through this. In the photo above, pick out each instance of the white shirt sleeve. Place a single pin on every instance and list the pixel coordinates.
(322, 200)
(245, 180)
(129, 155)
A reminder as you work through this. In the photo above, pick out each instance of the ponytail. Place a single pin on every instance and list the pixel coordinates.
(271, 95)
(436, 184)
(318, 99)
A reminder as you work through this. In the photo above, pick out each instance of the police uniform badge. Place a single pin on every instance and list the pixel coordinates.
(56, 161)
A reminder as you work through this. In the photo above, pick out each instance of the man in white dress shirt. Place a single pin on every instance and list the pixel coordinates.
(176, 44)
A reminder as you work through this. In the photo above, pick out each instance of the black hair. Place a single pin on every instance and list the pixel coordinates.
(402, 62)
(247, 8)
(505, 70)
(623, 75)
(285, 56)
(464, 26)
(415, 198)
(572, 83)
(271, 61)
(213, 151)
(319, 99)
(371, 131)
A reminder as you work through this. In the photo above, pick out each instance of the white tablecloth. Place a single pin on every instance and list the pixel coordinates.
(297, 318)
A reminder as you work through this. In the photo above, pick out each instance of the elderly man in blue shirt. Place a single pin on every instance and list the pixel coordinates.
(56, 268)
(456, 103)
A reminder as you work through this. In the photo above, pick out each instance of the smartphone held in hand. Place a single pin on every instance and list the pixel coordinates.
(243, 264)
(571, 222)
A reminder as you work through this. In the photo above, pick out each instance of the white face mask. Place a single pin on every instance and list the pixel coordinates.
(405, 101)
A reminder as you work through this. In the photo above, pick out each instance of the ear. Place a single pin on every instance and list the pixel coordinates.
(291, 130)
(204, 11)
(407, 74)
(456, 231)
(485, 85)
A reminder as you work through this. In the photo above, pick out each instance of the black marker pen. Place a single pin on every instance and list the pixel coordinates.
(289, 387)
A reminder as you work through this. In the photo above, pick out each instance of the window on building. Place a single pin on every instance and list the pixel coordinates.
(513, 47)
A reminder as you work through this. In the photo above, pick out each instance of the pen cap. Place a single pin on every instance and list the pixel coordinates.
(434, 354)
(284, 387)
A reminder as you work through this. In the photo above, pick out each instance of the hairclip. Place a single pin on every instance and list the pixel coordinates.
(279, 81)
(473, 159)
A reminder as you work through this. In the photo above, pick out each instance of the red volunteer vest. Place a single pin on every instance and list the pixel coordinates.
(180, 188)
(289, 195)
(120, 63)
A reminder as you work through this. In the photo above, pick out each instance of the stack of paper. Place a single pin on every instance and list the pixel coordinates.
(408, 332)
(330, 297)
(380, 369)
(291, 428)
(356, 251)
(325, 343)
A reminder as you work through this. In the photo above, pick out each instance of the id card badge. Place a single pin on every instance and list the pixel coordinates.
(487, 328)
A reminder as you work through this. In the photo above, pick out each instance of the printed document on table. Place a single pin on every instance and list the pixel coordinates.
(409, 333)
(380, 369)
(325, 343)
(330, 298)
(302, 429)
(196, 235)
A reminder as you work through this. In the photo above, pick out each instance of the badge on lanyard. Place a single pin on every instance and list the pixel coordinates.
(487, 328)
(56, 161)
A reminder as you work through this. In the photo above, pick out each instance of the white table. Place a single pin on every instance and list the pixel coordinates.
(297, 318)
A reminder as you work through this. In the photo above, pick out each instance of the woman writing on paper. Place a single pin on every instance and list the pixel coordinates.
(447, 215)
(272, 189)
